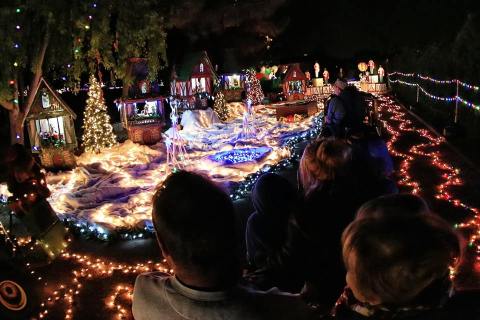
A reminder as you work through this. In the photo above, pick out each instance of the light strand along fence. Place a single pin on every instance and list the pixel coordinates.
(419, 77)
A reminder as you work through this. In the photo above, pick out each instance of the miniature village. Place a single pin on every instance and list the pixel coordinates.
(222, 125)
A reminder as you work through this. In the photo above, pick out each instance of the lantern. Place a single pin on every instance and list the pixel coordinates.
(362, 66)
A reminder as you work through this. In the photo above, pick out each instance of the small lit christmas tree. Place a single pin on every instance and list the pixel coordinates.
(253, 88)
(98, 132)
(220, 106)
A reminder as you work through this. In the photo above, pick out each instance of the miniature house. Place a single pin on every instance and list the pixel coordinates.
(294, 83)
(193, 79)
(232, 86)
(142, 110)
(50, 128)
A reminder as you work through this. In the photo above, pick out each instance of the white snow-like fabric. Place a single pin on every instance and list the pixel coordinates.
(196, 119)
(114, 188)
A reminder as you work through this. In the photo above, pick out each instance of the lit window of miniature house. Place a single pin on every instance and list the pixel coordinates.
(50, 128)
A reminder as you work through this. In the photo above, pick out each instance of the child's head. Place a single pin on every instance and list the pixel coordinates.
(402, 204)
(391, 260)
(324, 159)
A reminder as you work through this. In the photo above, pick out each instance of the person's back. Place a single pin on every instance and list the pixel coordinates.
(161, 296)
(355, 108)
(195, 226)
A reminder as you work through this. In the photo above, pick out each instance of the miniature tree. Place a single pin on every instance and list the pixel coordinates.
(98, 132)
(220, 106)
(253, 88)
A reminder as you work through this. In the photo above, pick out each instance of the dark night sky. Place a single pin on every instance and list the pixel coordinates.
(340, 29)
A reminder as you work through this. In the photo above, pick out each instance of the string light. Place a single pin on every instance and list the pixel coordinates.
(253, 88)
(429, 150)
(88, 268)
(428, 94)
(98, 132)
(434, 97)
(428, 78)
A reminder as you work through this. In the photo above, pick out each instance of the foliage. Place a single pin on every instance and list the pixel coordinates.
(98, 132)
(81, 37)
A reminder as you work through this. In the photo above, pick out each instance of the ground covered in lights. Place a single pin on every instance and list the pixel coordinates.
(112, 190)
(94, 280)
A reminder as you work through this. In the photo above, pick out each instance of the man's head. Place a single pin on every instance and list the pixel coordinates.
(392, 260)
(338, 86)
(194, 221)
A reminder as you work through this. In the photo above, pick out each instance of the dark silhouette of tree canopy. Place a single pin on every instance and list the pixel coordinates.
(68, 39)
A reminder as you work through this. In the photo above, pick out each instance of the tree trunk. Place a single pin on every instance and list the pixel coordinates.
(16, 126)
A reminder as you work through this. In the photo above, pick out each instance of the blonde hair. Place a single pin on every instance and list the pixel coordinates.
(323, 159)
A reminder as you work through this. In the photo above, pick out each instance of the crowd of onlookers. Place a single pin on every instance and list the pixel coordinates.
(341, 244)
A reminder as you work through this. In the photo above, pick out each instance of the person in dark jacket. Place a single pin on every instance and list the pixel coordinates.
(331, 195)
(399, 266)
(346, 110)
(274, 200)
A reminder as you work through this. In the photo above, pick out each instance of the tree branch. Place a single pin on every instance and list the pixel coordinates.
(37, 74)
(10, 106)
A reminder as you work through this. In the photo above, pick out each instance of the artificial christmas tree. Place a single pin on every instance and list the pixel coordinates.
(98, 132)
(220, 106)
(253, 88)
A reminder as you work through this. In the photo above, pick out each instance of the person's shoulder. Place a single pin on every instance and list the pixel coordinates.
(147, 294)
(151, 279)
(282, 305)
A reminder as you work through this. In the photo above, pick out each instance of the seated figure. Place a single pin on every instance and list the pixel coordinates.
(398, 267)
(195, 227)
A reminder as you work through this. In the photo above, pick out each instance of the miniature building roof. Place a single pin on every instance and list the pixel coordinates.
(37, 110)
(183, 69)
(295, 73)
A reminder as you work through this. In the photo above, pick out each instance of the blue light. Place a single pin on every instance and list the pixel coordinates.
(240, 155)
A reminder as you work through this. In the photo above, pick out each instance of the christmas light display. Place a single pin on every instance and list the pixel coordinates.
(235, 156)
(66, 294)
(392, 113)
(220, 106)
(248, 123)
(98, 132)
(428, 78)
(253, 88)
(456, 82)
(63, 298)
(175, 144)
